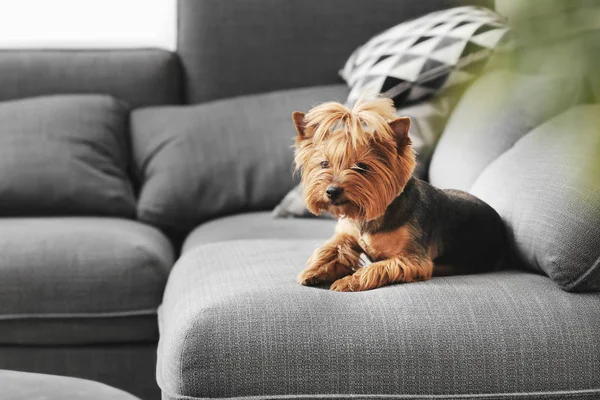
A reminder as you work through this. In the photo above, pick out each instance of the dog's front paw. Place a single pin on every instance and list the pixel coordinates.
(323, 266)
(310, 276)
(318, 274)
(346, 284)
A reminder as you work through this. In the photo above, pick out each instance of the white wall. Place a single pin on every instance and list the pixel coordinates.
(88, 24)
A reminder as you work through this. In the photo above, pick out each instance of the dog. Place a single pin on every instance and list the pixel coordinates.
(357, 164)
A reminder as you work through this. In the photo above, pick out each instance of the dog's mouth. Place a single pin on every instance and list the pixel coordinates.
(343, 208)
(339, 202)
(338, 207)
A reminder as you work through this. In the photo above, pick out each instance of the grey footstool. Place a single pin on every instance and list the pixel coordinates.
(235, 324)
(26, 386)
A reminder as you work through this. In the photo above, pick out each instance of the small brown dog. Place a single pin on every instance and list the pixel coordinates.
(357, 164)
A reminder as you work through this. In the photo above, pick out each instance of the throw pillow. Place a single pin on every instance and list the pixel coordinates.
(420, 57)
(64, 155)
(202, 161)
(547, 189)
(496, 111)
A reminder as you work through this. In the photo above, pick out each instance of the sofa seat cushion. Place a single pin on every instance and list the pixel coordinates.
(258, 225)
(80, 280)
(130, 367)
(27, 386)
(235, 323)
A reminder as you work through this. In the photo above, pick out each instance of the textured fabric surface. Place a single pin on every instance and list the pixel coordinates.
(547, 189)
(129, 367)
(293, 206)
(427, 121)
(495, 112)
(560, 395)
(27, 386)
(64, 155)
(258, 225)
(250, 46)
(80, 280)
(418, 58)
(234, 322)
(199, 162)
(78, 328)
(140, 77)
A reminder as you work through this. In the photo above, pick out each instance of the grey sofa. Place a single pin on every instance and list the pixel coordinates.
(80, 291)
(26, 385)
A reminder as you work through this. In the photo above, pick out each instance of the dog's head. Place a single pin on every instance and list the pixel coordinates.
(354, 163)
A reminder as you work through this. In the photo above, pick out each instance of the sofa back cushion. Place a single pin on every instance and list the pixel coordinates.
(495, 112)
(64, 155)
(236, 47)
(228, 156)
(547, 189)
(140, 77)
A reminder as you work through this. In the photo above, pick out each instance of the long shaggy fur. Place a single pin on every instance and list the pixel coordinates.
(357, 164)
(366, 120)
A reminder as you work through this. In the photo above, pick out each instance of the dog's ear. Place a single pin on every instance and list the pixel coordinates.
(298, 118)
(400, 127)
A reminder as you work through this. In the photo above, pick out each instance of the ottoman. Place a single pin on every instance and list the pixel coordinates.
(26, 386)
(235, 324)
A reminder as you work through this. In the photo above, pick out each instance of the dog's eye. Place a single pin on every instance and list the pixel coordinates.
(361, 167)
(324, 164)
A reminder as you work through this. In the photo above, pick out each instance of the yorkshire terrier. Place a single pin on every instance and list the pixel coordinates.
(357, 164)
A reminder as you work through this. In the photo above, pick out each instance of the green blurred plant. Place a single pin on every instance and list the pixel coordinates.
(559, 37)
(556, 36)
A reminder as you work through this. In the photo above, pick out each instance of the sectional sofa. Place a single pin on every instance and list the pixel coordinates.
(136, 189)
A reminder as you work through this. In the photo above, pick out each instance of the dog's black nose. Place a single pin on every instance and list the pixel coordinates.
(333, 192)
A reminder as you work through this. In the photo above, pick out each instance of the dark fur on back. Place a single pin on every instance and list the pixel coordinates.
(468, 234)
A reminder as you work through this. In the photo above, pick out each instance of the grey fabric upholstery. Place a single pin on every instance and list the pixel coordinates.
(65, 155)
(80, 280)
(547, 189)
(26, 386)
(258, 225)
(130, 367)
(140, 77)
(199, 162)
(234, 322)
(249, 46)
(495, 112)
(294, 206)
(75, 329)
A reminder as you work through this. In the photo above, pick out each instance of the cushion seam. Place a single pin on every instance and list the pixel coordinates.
(508, 395)
(581, 278)
(154, 218)
(114, 314)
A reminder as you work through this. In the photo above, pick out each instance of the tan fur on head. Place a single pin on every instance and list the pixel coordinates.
(365, 120)
(363, 150)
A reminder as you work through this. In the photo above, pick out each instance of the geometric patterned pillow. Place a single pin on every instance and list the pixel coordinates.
(417, 58)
